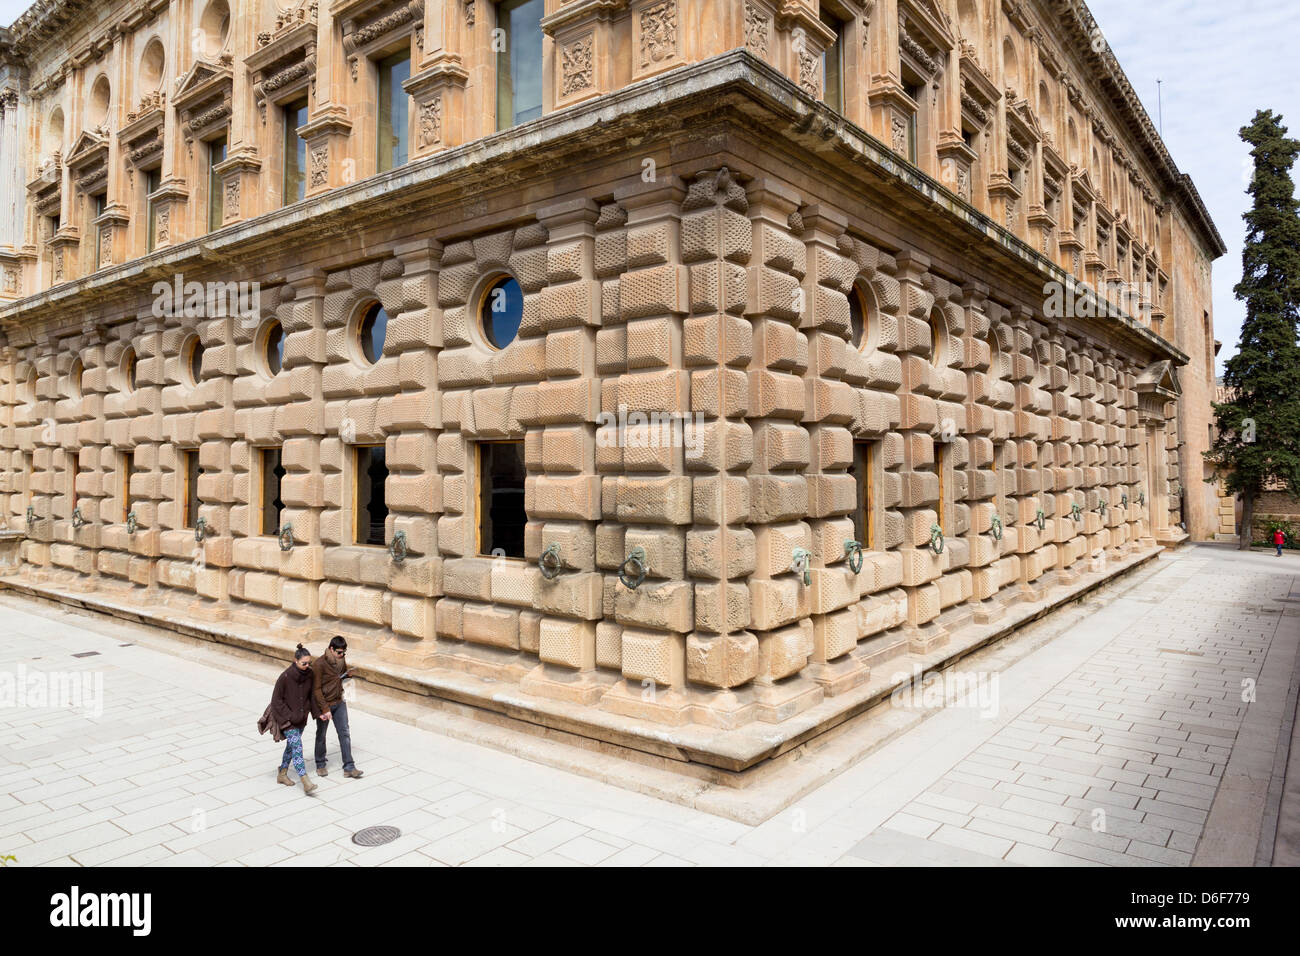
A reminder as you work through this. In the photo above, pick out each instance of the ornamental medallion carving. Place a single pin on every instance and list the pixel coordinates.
(658, 33)
(576, 66)
(320, 159)
(757, 25)
(431, 122)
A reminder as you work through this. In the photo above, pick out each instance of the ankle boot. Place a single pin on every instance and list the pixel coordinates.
(284, 777)
(307, 785)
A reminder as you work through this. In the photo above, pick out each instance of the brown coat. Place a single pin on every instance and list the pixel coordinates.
(292, 698)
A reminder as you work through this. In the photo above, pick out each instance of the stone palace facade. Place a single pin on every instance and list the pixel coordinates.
(665, 367)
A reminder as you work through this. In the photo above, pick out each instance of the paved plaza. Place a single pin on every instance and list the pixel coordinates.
(1140, 727)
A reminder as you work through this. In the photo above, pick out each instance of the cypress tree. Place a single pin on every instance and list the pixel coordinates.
(1258, 442)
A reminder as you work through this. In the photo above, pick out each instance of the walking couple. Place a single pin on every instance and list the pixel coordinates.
(315, 687)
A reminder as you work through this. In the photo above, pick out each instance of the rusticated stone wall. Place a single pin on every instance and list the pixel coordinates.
(712, 294)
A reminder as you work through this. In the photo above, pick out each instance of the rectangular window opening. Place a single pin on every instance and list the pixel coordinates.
(98, 203)
(833, 65)
(917, 93)
(295, 153)
(152, 180)
(392, 113)
(942, 456)
(519, 62)
(863, 519)
(271, 505)
(192, 502)
(216, 154)
(126, 468)
(370, 510)
(501, 516)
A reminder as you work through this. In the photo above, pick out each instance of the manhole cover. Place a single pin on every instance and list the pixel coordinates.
(87, 654)
(375, 836)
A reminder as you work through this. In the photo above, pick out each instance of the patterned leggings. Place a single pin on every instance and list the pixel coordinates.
(293, 751)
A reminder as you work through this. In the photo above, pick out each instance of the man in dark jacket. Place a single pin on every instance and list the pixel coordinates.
(330, 669)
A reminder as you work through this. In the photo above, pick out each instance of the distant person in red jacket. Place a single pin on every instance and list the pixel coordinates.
(1278, 538)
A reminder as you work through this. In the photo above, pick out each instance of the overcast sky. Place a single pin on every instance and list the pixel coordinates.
(1218, 64)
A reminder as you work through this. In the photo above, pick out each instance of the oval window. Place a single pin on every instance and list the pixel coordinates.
(195, 361)
(371, 331)
(937, 338)
(857, 318)
(128, 369)
(501, 311)
(273, 349)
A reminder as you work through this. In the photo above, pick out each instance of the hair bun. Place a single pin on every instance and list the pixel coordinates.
(301, 648)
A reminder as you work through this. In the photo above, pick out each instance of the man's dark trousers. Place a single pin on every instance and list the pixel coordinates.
(339, 718)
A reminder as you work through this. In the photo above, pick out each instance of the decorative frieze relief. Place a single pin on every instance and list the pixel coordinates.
(758, 27)
(658, 33)
(431, 122)
(576, 65)
(898, 135)
(231, 210)
(320, 159)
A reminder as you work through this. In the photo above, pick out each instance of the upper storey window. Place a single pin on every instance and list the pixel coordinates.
(216, 153)
(518, 49)
(392, 114)
(295, 152)
(152, 180)
(916, 92)
(833, 64)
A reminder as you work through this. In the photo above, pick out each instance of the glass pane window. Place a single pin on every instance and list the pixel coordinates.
(273, 348)
(216, 154)
(152, 180)
(100, 202)
(502, 311)
(393, 72)
(295, 153)
(372, 331)
(519, 62)
(833, 65)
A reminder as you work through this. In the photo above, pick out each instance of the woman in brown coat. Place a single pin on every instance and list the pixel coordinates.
(291, 702)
